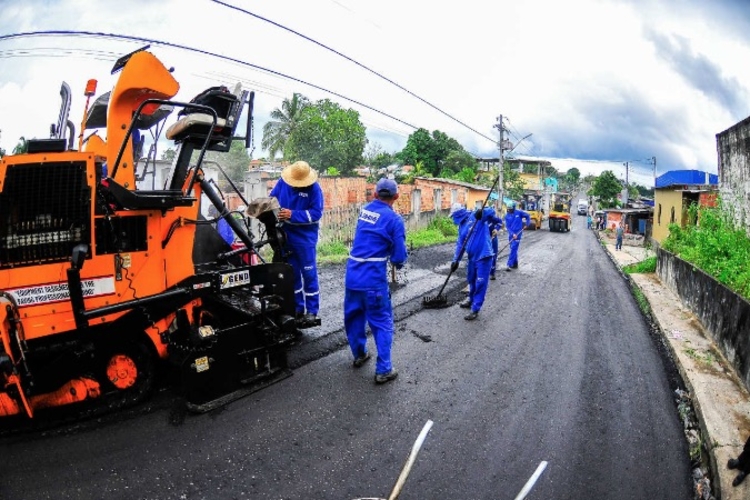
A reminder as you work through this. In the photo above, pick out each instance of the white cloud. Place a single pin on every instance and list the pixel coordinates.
(591, 79)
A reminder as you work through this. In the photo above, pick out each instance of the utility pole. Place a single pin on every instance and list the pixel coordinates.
(626, 191)
(501, 149)
(653, 160)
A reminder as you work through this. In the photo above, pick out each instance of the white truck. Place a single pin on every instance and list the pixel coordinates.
(583, 207)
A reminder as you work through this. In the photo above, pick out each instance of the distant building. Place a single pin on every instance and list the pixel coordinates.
(674, 192)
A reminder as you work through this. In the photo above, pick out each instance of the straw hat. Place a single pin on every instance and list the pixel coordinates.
(299, 174)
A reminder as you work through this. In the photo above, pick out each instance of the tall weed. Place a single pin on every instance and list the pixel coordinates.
(714, 245)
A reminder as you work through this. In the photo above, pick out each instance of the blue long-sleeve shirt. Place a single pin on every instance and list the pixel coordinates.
(515, 222)
(306, 205)
(380, 236)
(479, 244)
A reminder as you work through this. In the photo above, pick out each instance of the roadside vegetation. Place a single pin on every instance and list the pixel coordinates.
(715, 246)
(645, 266)
(440, 230)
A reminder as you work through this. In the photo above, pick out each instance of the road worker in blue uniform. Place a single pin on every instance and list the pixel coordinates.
(301, 200)
(494, 228)
(380, 236)
(475, 241)
(516, 221)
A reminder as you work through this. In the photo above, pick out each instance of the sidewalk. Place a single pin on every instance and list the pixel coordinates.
(720, 401)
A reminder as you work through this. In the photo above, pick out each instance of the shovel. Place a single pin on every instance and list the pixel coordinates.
(440, 301)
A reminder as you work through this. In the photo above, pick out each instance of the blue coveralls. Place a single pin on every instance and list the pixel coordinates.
(494, 227)
(380, 236)
(301, 231)
(478, 249)
(225, 230)
(515, 221)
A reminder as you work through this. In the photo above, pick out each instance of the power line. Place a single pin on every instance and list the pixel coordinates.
(115, 36)
(366, 68)
(31, 34)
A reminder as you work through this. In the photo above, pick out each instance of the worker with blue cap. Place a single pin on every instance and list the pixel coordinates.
(380, 236)
(301, 201)
(474, 239)
(516, 220)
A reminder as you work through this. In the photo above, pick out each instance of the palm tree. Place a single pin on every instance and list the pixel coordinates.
(21, 147)
(283, 122)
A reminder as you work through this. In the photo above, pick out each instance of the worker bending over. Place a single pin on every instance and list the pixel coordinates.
(474, 238)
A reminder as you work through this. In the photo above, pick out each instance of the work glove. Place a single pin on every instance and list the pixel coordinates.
(478, 214)
(494, 233)
(454, 266)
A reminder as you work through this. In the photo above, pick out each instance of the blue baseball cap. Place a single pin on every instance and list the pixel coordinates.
(386, 187)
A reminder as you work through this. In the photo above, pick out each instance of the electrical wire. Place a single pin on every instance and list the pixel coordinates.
(366, 68)
(132, 38)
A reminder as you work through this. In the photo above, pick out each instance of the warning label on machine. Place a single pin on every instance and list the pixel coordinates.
(57, 292)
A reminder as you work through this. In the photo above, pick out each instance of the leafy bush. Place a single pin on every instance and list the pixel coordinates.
(715, 246)
(645, 266)
(445, 225)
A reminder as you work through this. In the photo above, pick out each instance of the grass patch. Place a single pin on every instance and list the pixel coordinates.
(706, 357)
(712, 243)
(642, 301)
(333, 252)
(645, 266)
(440, 230)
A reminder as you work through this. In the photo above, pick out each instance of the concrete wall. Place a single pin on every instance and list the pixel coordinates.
(733, 147)
(724, 314)
(667, 209)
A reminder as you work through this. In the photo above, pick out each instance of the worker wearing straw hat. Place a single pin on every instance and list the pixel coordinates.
(301, 201)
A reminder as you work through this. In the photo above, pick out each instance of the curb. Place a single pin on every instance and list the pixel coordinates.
(702, 480)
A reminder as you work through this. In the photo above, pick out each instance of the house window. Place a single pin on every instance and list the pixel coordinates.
(671, 216)
(658, 216)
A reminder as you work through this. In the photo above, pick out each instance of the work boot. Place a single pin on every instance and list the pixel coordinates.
(733, 463)
(508, 269)
(310, 319)
(492, 277)
(382, 378)
(361, 360)
(740, 477)
(465, 304)
(471, 316)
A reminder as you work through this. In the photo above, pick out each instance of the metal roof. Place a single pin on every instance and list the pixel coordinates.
(686, 178)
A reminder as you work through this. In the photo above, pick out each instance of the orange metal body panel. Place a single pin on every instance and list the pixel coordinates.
(145, 273)
(143, 77)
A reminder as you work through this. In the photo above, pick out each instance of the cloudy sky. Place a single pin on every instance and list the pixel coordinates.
(596, 82)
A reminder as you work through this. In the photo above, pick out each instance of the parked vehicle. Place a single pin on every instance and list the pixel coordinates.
(583, 207)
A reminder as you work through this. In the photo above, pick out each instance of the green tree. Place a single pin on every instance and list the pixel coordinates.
(513, 185)
(383, 160)
(327, 135)
(283, 122)
(458, 159)
(606, 187)
(234, 162)
(168, 154)
(467, 174)
(432, 150)
(21, 147)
